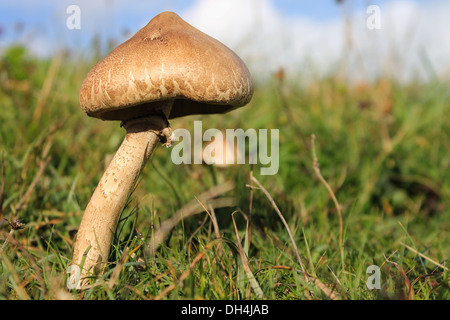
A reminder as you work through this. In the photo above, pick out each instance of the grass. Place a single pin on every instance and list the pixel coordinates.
(371, 189)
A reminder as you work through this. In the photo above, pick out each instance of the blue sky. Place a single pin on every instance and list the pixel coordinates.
(43, 16)
(47, 16)
(297, 30)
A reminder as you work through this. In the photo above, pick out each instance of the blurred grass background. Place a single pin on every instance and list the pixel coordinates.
(382, 148)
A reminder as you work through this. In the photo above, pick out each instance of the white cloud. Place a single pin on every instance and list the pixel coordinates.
(267, 40)
(255, 29)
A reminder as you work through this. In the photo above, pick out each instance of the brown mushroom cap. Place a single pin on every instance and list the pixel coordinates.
(167, 59)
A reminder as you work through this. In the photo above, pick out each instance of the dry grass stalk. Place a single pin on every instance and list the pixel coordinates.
(405, 278)
(330, 191)
(18, 283)
(251, 278)
(46, 87)
(424, 256)
(116, 272)
(308, 278)
(15, 224)
(250, 204)
(187, 211)
(285, 225)
(30, 189)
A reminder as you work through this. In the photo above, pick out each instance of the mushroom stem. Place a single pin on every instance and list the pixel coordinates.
(100, 218)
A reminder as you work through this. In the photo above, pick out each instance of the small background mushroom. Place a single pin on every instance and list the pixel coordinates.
(222, 153)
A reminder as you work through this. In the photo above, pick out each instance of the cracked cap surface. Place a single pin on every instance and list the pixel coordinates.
(167, 59)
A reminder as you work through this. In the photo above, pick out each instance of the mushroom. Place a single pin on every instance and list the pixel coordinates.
(168, 69)
(222, 153)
